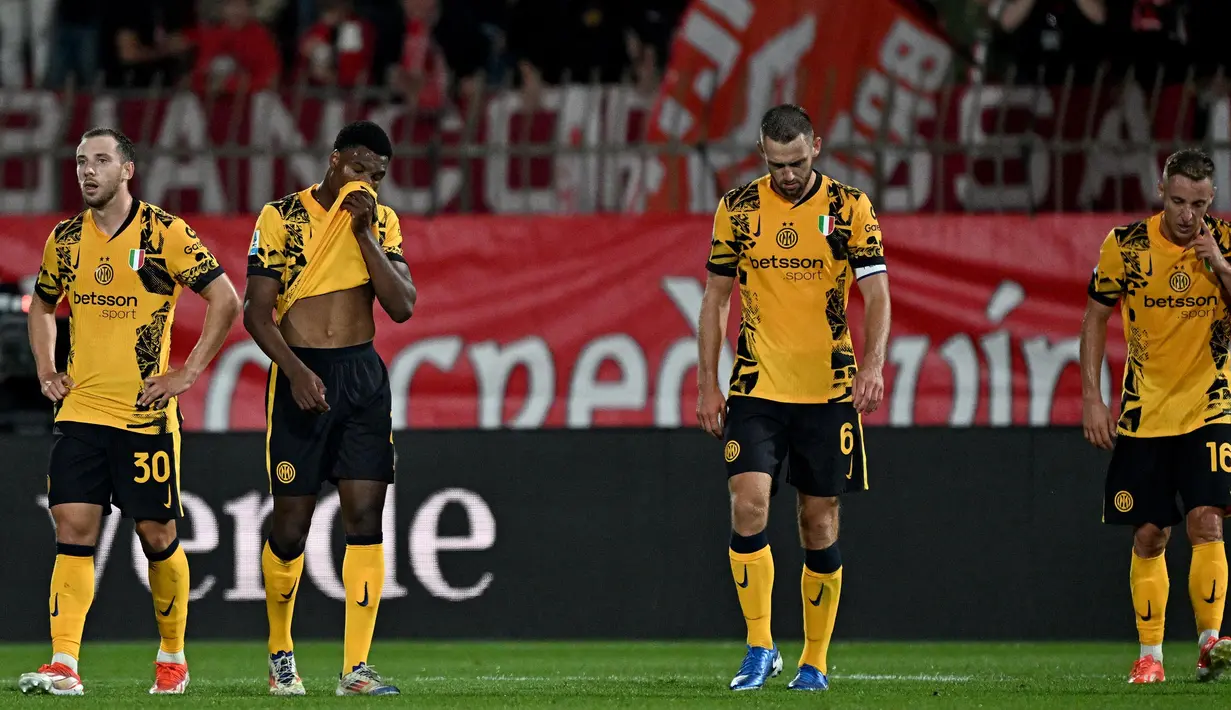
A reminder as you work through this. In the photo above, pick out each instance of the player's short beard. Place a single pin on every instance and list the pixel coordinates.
(102, 198)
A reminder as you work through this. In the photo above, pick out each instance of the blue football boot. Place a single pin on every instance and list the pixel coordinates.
(760, 664)
(809, 678)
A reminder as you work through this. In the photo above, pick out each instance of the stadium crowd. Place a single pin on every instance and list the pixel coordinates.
(434, 50)
(428, 48)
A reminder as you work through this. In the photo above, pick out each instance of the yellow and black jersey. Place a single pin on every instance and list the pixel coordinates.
(1176, 327)
(311, 250)
(122, 292)
(795, 263)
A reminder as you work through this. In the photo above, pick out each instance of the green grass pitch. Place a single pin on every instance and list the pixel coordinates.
(641, 675)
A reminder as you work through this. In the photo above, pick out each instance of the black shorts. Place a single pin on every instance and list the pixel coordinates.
(820, 445)
(103, 465)
(352, 441)
(1146, 474)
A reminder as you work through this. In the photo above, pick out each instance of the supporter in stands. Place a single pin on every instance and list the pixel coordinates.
(74, 43)
(149, 44)
(338, 49)
(1042, 39)
(1155, 39)
(439, 42)
(237, 54)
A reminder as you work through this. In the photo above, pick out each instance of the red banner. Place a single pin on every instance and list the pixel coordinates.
(579, 322)
(991, 148)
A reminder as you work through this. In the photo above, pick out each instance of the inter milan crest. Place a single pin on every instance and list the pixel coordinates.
(136, 259)
(104, 273)
(787, 237)
(825, 224)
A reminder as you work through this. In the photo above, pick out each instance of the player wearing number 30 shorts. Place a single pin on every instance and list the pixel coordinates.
(121, 265)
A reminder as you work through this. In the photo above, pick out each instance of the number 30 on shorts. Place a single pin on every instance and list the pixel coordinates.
(157, 466)
(846, 438)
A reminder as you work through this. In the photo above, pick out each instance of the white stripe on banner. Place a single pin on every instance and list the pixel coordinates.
(1220, 134)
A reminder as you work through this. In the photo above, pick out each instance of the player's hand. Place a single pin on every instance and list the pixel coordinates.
(712, 411)
(362, 208)
(869, 390)
(1207, 250)
(1098, 424)
(55, 386)
(309, 391)
(159, 389)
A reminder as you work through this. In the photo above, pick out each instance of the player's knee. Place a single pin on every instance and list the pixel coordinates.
(364, 523)
(76, 524)
(288, 538)
(749, 516)
(1204, 525)
(155, 535)
(1150, 541)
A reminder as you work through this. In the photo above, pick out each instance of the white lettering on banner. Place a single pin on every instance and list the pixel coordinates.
(185, 131)
(587, 393)
(250, 510)
(975, 195)
(426, 544)
(274, 129)
(447, 180)
(1044, 363)
(224, 378)
(1116, 158)
(204, 539)
(38, 134)
(493, 365)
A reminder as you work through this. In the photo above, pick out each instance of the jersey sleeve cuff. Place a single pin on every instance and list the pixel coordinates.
(265, 271)
(720, 270)
(867, 266)
(1105, 299)
(206, 279)
(48, 298)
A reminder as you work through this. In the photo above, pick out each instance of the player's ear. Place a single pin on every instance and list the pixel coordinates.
(761, 148)
(128, 171)
(816, 146)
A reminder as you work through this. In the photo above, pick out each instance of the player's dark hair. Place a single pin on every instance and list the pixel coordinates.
(1191, 163)
(123, 146)
(364, 134)
(785, 123)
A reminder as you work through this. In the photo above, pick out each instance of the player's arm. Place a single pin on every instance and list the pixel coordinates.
(266, 261)
(1213, 246)
(195, 267)
(722, 266)
(382, 253)
(1105, 289)
(867, 259)
(41, 323)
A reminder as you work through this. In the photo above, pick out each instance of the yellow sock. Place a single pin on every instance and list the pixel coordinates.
(72, 592)
(169, 585)
(363, 575)
(1207, 584)
(1149, 581)
(281, 587)
(821, 593)
(754, 583)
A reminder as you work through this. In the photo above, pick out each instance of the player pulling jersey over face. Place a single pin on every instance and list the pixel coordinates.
(1169, 275)
(121, 265)
(796, 240)
(318, 260)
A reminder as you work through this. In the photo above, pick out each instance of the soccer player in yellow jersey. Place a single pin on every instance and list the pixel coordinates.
(319, 259)
(795, 240)
(1170, 276)
(121, 265)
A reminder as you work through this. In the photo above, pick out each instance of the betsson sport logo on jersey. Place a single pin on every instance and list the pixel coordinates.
(113, 307)
(1196, 306)
(798, 269)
